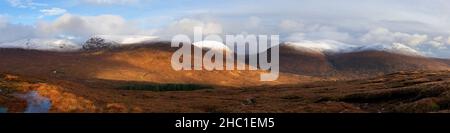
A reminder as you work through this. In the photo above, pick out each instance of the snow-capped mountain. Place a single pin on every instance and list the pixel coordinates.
(52, 44)
(329, 46)
(211, 45)
(393, 48)
(110, 41)
(321, 46)
(126, 39)
(43, 44)
(104, 41)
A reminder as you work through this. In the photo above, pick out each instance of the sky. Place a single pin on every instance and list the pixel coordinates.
(420, 24)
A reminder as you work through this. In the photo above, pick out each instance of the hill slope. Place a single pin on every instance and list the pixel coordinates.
(353, 65)
(145, 63)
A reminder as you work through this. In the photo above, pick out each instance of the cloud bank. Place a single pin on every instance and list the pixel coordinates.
(423, 27)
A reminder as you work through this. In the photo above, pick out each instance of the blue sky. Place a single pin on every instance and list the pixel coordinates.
(420, 24)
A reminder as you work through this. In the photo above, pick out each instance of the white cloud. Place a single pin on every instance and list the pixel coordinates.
(312, 31)
(85, 26)
(72, 27)
(382, 35)
(68, 31)
(327, 32)
(295, 37)
(253, 22)
(111, 2)
(437, 42)
(448, 41)
(290, 25)
(53, 11)
(438, 38)
(12, 32)
(186, 26)
(3, 21)
(25, 4)
(294, 20)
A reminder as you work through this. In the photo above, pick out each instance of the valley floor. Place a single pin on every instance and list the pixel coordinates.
(416, 91)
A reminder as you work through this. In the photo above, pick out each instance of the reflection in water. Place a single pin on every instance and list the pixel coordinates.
(3, 110)
(36, 103)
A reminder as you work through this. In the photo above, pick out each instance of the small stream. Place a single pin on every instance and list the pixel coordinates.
(35, 102)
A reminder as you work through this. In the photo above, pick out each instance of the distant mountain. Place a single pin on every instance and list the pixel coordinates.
(126, 39)
(151, 60)
(334, 47)
(320, 47)
(110, 41)
(396, 48)
(304, 62)
(43, 44)
(355, 63)
(95, 42)
(372, 63)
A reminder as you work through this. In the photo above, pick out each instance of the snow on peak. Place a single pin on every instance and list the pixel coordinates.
(330, 46)
(392, 48)
(126, 39)
(43, 44)
(321, 46)
(212, 45)
(53, 44)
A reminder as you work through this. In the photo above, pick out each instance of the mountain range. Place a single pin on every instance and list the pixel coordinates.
(307, 58)
(358, 64)
(107, 76)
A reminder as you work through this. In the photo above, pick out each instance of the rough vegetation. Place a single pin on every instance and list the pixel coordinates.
(415, 92)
